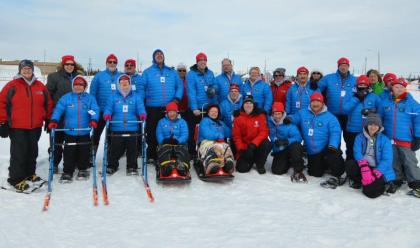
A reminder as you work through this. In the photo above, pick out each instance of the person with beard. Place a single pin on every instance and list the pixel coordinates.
(357, 106)
(250, 134)
(213, 151)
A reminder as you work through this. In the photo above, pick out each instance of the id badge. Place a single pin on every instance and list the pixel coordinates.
(206, 87)
(133, 87)
(392, 142)
(311, 132)
(162, 80)
(113, 87)
(91, 112)
(298, 105)
(125, 108)
(343, 93)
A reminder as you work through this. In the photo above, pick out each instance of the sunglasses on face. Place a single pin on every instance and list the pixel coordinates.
(129, 65)
(112, 62)
(278, 75)
(182, 70)
(69, 64)
(317, 73)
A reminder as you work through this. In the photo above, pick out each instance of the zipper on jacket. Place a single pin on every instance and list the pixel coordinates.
(29, 89)
(78, 113)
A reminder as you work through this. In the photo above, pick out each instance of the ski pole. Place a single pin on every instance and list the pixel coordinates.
(95, 185)
(47, 197)
(144, 164)
(104, 165)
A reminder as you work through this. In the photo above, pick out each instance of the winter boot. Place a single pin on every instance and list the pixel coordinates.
(228, 167)
(110, 171)
(66, 178)
(331, 183)
(82, 175)
(132, 172)
(414, 192)
(182, 169)
(166, 169)
(355, 184)
(21, 186)
(298, 177)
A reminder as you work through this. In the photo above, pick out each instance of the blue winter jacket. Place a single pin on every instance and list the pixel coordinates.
(280, 131)
(383, 153)
(223, 83)
(102, 86)
(78, 111)
(197, 85)
(160, 86)
(401, 120)
(135, 83)
(298, 97)
(177, 128)
(319, 130)
(334, 86)
(261, 93)
(124, 109)
(386, 94)
(353, 109)
(213, 130)
(227, 107)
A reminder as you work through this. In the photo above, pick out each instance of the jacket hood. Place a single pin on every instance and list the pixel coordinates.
(29, 82)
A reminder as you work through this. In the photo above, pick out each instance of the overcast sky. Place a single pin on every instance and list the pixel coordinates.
(252, 33)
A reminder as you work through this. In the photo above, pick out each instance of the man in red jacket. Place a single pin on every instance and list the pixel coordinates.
(250, 134)
(24, 106)
(280, 85)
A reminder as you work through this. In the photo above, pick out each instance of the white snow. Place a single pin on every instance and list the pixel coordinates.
(251, 211)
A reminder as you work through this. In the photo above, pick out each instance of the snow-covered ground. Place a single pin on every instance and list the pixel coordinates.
(251, 211)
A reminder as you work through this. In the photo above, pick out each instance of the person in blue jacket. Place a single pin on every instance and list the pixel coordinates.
(286, 142)
(213, 150)
(401, 118)
(160, 85)
(337, 86)
(322, 135)
(172, 137)
(388, 79)
(80, 110)
(371, 167)
(225, 80)
(258, 89)
(102, 86)
(124, 108)
(135, 78)
(297, 96)
(360, 103)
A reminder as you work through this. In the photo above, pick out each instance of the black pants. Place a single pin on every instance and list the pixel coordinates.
(342, 119)
(188, 116)
(173, 152)
(118, 145)
(319, 163)
(76, 156)
(372, 190)
(23, 153)
(154, 114)
(58, 149)
(292, 156)
(259, 158)
(97, 132)
(349, 144)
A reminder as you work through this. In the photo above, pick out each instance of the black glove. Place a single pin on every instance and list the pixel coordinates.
(4, 130)
(211, 91)
(391, 187)
(416, 144)
(170, 141)
(47, 122)
(279, 142)
(366, 111)
(332, 149)
(249, 152)
(287, 120)
(361, 94)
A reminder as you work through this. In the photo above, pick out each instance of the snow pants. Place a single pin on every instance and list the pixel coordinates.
(119, 145)
(372, 190)
(76, 156)
(292, 156)
(319, 163)
(405, 165)
(259, 158)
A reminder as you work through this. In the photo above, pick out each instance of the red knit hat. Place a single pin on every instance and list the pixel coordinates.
(201, 56)
(343, 60)
(302, 69)
(130, 62)
(234, 87)
(317, 97)
(363, 79)
(79, 80)
(111, 56)
(389, 77)
(172, 106)
(277, 107)
(124, 77)
(401, 81)
(66, 58)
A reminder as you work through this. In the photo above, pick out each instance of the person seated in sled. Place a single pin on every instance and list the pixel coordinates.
(124, 108)
(172, 137)
(213, 151)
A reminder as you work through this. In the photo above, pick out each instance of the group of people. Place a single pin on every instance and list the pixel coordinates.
(193, 115)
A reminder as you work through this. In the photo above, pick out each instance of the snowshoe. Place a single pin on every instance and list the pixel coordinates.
(354, 184)
(331, 183)
(66, 178)
(82, 175)
(132, 172)
(298, 177)
(36, 181)
(22, 186)
(110, 171)
(414, 192)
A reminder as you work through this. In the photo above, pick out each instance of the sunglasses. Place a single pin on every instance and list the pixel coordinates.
(112, 62)
(69, 64)
(319, 73)
(182, 70)
(129, 65)
(278, 75)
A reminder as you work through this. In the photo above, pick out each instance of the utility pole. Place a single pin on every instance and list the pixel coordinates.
(89, 69)
(379, 62)
(138, 62)
(45, 55)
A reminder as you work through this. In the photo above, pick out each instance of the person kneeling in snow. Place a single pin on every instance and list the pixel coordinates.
(372, 166)
(250, 134)
(80, 110)
(124, 107)
(322, 134)
(286, 141)
(214, 152)
(172, 137)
